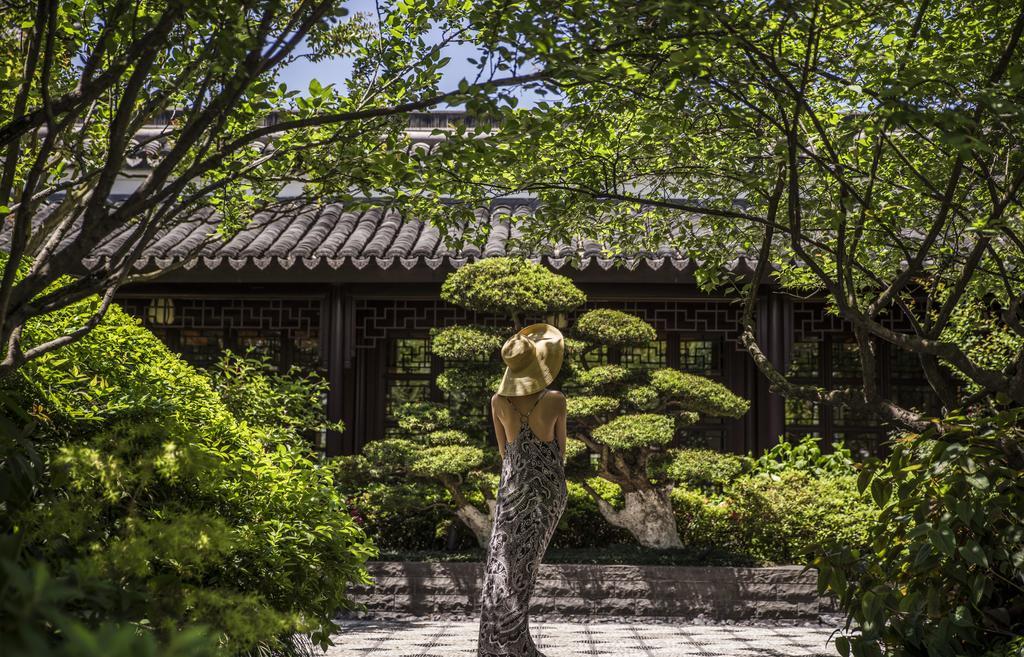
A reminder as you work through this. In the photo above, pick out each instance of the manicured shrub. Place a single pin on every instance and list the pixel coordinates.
(510, 287)
(613, 328)
(465, 343)
(704, 469)
(595, 378)
(697, 394)
(168, 511)
(582, 525)
(642, 429)
(582, 406)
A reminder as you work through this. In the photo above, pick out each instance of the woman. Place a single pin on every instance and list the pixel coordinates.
(529, 421)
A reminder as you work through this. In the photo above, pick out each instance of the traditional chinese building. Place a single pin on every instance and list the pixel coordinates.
(355, 295)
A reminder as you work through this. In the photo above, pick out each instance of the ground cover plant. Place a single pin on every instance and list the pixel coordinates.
(144, 507)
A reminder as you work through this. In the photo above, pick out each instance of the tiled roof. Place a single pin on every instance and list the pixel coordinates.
(315, 235)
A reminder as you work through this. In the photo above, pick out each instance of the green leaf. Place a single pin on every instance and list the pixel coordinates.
(943, 540)
(881, 491)
(974, 553)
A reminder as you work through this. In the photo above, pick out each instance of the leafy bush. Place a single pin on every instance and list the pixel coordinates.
(400, 516)
(796, 516)
(255, 392)
(805, 456)
(614, 328)
(164, 508)
(704, 469)
(942, 575)
(510, 286)
(464, 343)
(788, 520)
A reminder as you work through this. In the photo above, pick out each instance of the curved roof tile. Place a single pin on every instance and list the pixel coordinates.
(327, 234)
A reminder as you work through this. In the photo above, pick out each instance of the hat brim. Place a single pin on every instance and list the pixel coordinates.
(539, 372)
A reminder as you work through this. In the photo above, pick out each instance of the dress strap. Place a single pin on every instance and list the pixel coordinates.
(524, 418)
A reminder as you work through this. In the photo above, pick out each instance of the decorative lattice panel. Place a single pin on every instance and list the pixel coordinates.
(376, 318)
(288, 330)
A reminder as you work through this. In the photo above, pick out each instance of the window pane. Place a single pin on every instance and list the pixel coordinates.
(700, 356)
(800, 411)
(846, 358)
(860, 444)
(306, 348)
(696, 437)
(410, 356)
(851, 416)
(261, 342)
(651, 356)
(597, 356)
(805, 362)
(905, 365)
(202, 347)
(918, 397)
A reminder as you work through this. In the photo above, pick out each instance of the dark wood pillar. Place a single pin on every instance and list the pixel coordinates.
(339, 370)
(775, 334)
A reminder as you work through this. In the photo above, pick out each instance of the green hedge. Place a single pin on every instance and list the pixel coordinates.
(165, 509)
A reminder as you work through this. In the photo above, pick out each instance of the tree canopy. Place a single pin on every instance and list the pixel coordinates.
(186, 93)
(869, 151)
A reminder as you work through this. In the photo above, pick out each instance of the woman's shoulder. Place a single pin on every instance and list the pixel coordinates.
(556, 396)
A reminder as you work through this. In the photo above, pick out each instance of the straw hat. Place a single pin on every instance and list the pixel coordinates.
(533, 356)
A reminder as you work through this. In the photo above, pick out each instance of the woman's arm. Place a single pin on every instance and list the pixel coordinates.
(499, 428)
(560, 428)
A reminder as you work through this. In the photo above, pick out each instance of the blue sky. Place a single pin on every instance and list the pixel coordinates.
(299, 74)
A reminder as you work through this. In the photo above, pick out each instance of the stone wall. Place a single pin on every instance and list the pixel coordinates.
(719, 593)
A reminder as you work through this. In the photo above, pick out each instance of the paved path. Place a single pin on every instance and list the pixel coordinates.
(413, 638)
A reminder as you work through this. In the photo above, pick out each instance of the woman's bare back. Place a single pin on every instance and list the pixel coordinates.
(546, 410)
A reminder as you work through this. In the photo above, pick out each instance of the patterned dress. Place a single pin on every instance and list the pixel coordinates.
(531, 498)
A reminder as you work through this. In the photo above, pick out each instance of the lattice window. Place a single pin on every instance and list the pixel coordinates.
(802, 416)
(805, 363)
(287, 330)
(260, 342)
(651, 356)
(703, 357)
(409, 378)
(201, 347)
(909, 388)
(845, 359)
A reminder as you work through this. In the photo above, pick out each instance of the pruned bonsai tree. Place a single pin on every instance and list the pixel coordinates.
(630, 420)
(444, 443)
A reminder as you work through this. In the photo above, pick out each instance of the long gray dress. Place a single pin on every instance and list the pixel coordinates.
(531, 499)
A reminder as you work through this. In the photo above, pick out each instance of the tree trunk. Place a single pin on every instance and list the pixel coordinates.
(647, 514)
(477, 521)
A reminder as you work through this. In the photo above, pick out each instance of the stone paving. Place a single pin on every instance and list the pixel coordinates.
(457, 638)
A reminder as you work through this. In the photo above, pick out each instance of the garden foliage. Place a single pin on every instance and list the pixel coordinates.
(152, 506)
(630, 421)
(942, 572)
(446, 444)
